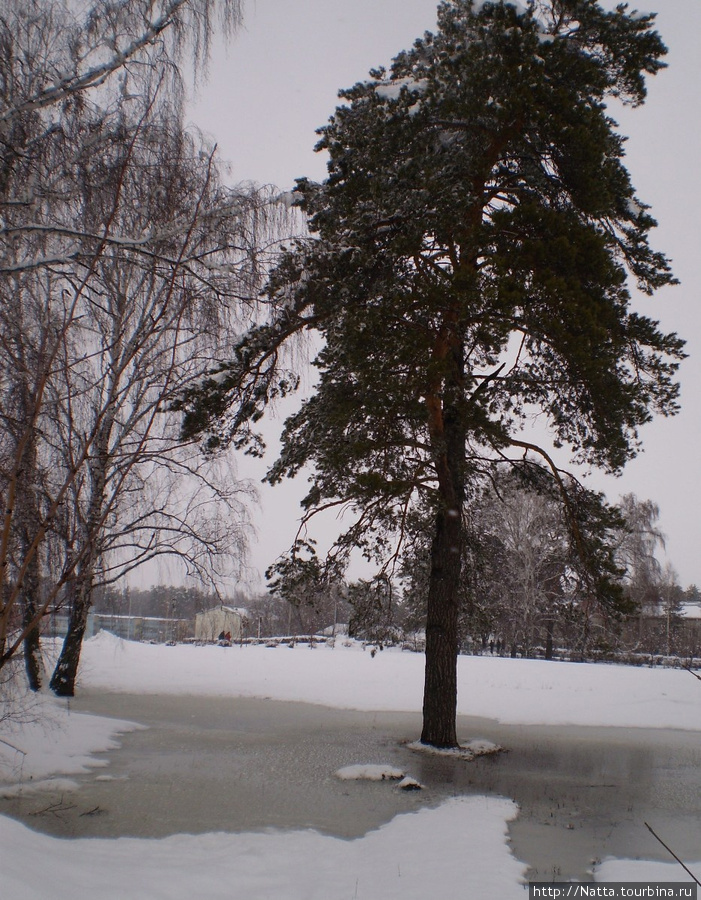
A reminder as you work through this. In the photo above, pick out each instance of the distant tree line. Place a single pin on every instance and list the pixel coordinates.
(524, 592)
(525, 589)
(159, 601)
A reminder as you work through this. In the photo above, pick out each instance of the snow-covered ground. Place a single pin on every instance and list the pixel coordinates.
(509, 690)
(460, 848)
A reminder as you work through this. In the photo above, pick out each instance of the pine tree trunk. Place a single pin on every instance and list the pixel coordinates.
(441, 680)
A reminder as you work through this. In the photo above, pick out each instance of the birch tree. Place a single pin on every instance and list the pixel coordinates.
(124, 264)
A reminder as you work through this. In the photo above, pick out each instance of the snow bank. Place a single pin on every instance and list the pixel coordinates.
(468, 751)
(55, 740)
(644, 870)
(509, 690)
(457, 848)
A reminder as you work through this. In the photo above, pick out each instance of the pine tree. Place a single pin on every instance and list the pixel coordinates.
(469, 263)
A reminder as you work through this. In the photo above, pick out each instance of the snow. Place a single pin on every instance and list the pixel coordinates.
(370, 773)
(390, 90)
(642, 870)
(410, 784)
(634, 208)
(466, 751)
(55, 740)
(63, 785)
(289, 199)
(459, 848)
(463, 842)
(517, 691)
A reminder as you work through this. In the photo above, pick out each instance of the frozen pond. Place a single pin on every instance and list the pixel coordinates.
(210, 764)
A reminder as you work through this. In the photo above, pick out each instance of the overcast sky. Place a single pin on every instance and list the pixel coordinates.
(277, 82)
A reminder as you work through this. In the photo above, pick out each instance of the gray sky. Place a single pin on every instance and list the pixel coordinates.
(278, 81)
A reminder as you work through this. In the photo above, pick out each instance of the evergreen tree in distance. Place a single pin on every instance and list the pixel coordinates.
(469, 263)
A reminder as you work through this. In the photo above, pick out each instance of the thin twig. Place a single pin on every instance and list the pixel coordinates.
(691, 672)
(95, 811)
(12, 747)
(669, 850)
(54, 809)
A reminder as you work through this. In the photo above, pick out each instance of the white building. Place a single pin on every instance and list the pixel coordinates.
(221, 619)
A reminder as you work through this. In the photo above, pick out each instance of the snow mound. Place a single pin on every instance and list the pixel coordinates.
(468, 751)
(57, 785)
(370, 773)
(56, 741)
(106, 641)
(410, 784)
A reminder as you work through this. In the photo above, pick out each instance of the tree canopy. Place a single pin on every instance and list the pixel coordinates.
(470, 263)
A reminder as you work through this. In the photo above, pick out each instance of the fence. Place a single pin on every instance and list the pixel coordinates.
(135, 628)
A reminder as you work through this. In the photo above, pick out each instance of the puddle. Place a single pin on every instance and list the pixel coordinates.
(210, 764)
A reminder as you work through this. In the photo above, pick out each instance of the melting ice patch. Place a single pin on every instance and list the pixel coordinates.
(371, 772)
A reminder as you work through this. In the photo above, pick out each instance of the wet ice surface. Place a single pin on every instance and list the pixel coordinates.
(211, 764)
